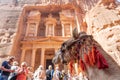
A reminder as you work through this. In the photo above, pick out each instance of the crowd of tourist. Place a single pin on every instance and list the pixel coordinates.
(10, 70)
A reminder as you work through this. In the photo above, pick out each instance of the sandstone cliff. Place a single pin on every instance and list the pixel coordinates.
(8, 26)
(104, 24)
(8, 17)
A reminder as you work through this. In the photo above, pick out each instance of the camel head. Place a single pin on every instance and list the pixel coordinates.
(64, 55)
(90, 56)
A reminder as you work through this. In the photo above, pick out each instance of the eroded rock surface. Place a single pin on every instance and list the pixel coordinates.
(9, 16)
(104, 25)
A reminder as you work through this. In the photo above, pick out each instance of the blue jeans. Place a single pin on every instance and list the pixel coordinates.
(3, 77)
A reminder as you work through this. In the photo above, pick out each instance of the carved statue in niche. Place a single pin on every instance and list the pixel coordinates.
(67, 30)
(50, 30)
(50, 24)
(32, 29)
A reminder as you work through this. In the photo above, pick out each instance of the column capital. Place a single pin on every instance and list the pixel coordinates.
(23, 48)
(43, 49)
(34, 48)
(63, 30)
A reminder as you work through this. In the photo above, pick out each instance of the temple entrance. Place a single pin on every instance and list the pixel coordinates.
(49, 54)
(49, 62)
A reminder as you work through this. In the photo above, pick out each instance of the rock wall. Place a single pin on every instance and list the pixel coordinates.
(104, 24)
(8, 27)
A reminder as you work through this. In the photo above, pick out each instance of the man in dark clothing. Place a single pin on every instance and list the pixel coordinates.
(5, 69)
(0, 70)
(49, 73)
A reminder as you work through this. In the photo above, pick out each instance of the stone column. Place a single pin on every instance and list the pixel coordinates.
(33, 58)
(71, 29)
(36, 28)
(43, 56)
(46, 31)
(53, 30)
(27, 29)
(23, 55)
(63, 34)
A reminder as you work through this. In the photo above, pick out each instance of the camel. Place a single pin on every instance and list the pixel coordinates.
(66, 53)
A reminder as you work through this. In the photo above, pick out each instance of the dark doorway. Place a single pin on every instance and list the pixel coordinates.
(49, 62)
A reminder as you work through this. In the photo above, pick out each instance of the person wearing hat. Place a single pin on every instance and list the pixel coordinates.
(5, 68)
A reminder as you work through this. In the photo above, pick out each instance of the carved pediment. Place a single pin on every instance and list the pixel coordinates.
(35, 14)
